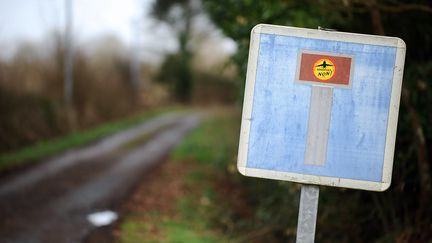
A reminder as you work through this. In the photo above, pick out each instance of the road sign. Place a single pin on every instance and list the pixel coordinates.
(321, 107)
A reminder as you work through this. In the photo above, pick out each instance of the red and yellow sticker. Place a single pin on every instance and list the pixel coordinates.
(324, 69)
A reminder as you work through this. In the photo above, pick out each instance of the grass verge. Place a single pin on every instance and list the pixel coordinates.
(188, 199)
(44, 149)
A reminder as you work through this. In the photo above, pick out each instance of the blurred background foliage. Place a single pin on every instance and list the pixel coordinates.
(31, 92)
(105, 88)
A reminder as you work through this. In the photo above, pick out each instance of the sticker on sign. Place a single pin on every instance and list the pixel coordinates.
(321, 107)
(331, 69)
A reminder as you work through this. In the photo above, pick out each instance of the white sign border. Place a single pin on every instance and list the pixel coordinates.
(323, 35)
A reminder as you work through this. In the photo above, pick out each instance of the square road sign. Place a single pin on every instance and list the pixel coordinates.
(321, 107)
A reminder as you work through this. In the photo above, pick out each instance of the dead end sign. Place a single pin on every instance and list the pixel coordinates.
(321, 107)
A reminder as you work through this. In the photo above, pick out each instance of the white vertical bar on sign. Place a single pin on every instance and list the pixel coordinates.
(307, 214)
(318, 125)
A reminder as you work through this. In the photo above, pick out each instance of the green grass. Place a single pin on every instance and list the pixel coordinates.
(192, 224)
(214, 142)
(182, 232)
(135, 230)
(173, 231)
(47, 148)
(201, 214)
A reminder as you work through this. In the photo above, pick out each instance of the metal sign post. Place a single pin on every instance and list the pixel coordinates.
(68, 53)
(308, 211)
(320, 108)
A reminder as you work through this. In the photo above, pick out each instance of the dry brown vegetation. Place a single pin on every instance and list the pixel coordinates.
(32, 107)
(31, 93)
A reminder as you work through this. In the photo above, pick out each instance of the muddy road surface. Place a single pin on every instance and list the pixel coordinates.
(51, 202)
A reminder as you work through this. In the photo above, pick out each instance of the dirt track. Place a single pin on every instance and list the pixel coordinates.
(50, 202)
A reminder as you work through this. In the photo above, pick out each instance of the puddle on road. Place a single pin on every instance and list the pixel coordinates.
(102, 218)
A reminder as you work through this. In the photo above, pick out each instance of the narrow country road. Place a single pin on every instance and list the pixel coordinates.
(51, 202)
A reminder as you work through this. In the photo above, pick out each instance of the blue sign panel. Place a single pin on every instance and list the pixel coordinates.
(353, 128)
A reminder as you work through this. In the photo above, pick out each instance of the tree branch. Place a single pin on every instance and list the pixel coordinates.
(405, 8)
(422, 156)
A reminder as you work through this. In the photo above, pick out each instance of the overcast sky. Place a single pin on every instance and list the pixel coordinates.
(33, 19)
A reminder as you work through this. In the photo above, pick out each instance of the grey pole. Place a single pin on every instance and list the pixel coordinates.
(307, 214)
(135, 65)
(68, 53)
